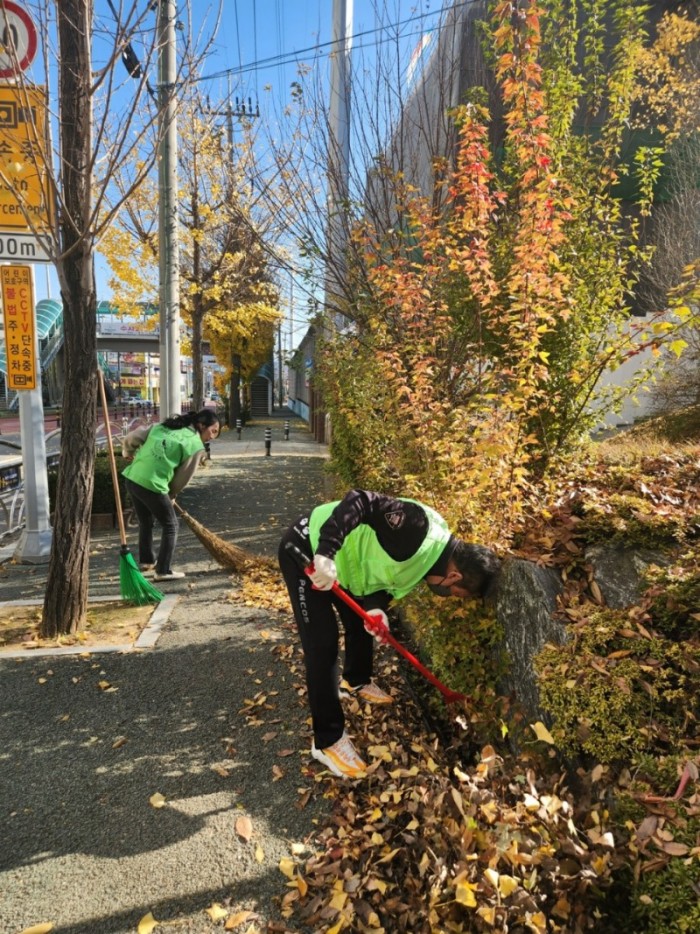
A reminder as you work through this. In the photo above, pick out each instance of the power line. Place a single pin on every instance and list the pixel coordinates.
(289, 57)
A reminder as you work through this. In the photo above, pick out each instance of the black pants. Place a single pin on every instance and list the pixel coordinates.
(316, 613)
(150, 508)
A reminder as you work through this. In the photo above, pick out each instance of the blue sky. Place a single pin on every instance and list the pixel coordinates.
(257, 48)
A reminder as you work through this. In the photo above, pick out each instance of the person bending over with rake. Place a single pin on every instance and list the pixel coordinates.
(378, 548)
(165, 458)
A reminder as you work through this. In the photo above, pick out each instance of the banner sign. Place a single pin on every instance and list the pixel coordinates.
(24, 182)
(20, 327)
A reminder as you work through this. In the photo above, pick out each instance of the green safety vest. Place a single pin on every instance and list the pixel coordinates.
(363, 565)
(160, 455)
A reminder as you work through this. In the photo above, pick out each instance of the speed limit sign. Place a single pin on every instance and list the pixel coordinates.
(18, 39)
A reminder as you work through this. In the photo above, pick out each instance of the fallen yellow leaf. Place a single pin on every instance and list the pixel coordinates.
(488, 914)
(147, 924)
(507, 885)
(287, 867)
(542, 733)
(157, 800)
(259, 854)
(338, 901)
(216, 912)
(39, 928)
(464, 894)
(239, 918)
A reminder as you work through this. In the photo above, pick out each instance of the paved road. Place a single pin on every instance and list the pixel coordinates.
(82, 847)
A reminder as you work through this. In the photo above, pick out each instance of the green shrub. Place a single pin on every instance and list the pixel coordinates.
(615, 692)
(103, 493)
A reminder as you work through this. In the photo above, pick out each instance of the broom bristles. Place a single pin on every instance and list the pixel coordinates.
(133, 585)
(227, 555)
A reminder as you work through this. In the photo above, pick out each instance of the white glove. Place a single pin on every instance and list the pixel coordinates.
(325, 573)
(382, 619)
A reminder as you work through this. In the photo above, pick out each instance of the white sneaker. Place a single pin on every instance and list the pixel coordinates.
(170, 576)
(367, 692)
(341, 758)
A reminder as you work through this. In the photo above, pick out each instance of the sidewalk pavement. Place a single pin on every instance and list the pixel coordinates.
(211, 717)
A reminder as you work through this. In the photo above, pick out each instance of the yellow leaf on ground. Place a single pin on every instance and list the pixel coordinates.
(464, 894)
(39, 928)
(507, 885)
(259, 854)
(157, 800)
(488, 914)
(389, 856)
(536, 922)
(147, 924)
(216, 912)
(239, 918)
(287, 867)
(542, 733)
(302, 885)
(376, 885)
(338, 901)
(244, 828)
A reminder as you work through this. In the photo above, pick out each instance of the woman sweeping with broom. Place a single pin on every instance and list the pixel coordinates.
(165, 458)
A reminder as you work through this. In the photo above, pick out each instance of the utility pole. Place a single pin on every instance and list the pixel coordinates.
(168, 245)
(338, 168)
(337, 175)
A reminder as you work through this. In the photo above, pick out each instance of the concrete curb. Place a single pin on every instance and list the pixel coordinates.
(147, 638)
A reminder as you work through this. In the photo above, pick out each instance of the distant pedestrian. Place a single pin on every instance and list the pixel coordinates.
(378, 548)
(165, 458)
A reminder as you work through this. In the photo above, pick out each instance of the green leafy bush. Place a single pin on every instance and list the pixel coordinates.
(103, 493)
(616, 689)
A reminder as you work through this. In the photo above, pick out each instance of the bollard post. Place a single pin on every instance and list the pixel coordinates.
(286, 431)
(238, 428)
(268, 441)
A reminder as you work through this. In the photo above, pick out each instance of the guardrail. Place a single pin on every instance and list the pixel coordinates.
(12, 503)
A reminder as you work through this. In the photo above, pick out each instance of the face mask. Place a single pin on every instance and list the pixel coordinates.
(440, 590)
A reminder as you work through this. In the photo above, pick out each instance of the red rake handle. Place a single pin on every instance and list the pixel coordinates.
(377, 627)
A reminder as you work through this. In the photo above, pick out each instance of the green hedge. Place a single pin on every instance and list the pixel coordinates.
(103, 494)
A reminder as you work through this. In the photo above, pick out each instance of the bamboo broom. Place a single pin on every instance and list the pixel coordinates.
(133, 585)
(228, 555)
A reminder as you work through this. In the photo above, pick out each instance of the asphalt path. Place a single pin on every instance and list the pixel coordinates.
(87, 741)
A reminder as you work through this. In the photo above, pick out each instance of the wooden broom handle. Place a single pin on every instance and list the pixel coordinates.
(112, 461)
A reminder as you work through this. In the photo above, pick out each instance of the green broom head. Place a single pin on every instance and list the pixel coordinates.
(133, 585)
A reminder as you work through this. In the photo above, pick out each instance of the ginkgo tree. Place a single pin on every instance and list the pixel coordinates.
(227, 247)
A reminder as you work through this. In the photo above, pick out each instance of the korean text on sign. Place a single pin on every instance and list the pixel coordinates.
(20, 328)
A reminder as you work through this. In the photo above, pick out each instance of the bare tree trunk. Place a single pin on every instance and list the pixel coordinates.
(65, 603)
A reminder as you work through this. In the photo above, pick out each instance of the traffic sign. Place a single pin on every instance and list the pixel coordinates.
(18, 39)
(24, 182)
(20, 326)
(22, 248)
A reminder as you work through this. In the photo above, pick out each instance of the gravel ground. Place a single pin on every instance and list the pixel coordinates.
(86, 741)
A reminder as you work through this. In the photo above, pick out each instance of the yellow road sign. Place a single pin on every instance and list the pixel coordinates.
(20, 326)
(24, 179)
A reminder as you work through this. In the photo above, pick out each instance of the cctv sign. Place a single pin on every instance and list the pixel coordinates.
(18, 39)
